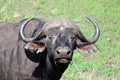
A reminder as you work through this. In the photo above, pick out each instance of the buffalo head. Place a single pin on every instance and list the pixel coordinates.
(60, 38)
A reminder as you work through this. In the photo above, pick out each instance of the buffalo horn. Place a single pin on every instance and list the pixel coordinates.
(22, 34)
(94, 37)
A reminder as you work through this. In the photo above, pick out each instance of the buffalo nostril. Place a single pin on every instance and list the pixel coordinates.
(63, 52)
(58, 52)
(68, 52)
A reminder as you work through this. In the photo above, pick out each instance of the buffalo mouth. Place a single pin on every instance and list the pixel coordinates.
(63, 60)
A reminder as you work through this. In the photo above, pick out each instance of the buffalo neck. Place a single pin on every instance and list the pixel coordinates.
(54, 70)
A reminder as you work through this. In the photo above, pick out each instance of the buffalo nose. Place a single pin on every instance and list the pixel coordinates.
(63, 51)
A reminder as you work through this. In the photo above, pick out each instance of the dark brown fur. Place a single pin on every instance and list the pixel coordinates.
(14, 65)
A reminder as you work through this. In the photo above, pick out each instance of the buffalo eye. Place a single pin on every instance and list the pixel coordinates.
(51, 37)
(72, 37)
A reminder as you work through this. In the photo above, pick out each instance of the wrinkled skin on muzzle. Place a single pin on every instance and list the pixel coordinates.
(61, 44)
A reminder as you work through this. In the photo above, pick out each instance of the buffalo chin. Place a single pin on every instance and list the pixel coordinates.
(63, 61)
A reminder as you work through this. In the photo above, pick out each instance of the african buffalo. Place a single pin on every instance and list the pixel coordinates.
(37, 50)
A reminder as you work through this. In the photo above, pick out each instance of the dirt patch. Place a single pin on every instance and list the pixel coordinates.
(111, 62)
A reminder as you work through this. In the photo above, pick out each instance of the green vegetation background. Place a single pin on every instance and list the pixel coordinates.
(103, 65)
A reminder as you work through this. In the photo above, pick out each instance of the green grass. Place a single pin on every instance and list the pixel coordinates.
(103, 65)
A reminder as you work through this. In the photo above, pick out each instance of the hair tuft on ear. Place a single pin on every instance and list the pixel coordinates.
(32, 46)
(87, 48)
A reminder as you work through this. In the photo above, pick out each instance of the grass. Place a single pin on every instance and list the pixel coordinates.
(103, 65)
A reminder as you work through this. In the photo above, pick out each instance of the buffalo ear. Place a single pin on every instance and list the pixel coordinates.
(83, 47)
(37, 47)
(32, 49)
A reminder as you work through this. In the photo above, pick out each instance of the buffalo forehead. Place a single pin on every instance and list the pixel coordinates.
(56, 31)
(61, 24)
